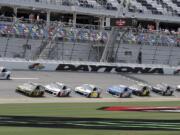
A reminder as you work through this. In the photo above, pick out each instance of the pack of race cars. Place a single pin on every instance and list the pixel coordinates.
(89, 90)
(92, 91)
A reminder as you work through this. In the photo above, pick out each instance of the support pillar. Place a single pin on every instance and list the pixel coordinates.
(108, 22)
(157, 25)
(15, 14)
(101, 20)
(48, 18)
(74, 19)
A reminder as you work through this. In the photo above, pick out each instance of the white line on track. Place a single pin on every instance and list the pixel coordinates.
(22, 78)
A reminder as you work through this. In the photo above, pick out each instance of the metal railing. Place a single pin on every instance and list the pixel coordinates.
(86, 44)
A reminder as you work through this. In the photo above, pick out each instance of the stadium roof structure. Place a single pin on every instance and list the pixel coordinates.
(162, 10)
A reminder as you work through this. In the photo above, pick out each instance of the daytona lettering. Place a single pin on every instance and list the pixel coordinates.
(108, 69)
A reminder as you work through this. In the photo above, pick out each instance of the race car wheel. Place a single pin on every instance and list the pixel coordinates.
(30, 94)
(89, 95)
(68, 94)
(147, 93)
(138, 94)
(120, 95)
(17, 90)
(41, 94)
(8, 77)
(129, 95)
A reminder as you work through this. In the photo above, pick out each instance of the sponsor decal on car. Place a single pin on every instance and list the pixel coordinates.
(142, 108)
(94, 94)
(36, 66)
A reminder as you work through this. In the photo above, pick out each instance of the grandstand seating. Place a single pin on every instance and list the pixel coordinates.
(76, 43)
(70, 34)
(155, 7)
(37, 31)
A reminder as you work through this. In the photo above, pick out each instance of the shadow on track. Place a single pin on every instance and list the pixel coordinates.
(89, 123)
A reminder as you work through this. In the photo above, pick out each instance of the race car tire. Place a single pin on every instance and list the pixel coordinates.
(8, 77)
(30, 94)
(89, 95)
(120, 95)
(98, 96)
(17, 90)
(129, 95)
(68, 94)
(171, 93)
(138, 94)
(148, 93)
(41, 94)
(164, 93)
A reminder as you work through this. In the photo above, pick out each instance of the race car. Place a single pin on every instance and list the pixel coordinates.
(31, 89)
(163, 89)
(4, 73)
(178, 88)
(58, 89)
(88, 90)
(121, 91)
(140, 89)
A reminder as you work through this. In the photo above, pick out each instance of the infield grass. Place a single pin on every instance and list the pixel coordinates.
(81, 110)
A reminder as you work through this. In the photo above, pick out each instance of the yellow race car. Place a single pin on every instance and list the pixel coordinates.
(140, 89)
(88, 90)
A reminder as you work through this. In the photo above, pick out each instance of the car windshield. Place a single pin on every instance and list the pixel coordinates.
(88, 87)
(54, 85)
(58, 86)
(30, 85)
(4, 70)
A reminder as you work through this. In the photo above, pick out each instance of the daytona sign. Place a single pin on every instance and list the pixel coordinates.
(109, 69)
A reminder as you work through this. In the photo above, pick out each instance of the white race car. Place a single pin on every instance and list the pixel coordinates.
(58, 89)
(4, 73)
(89, 90)
(178, 88)
(163, 89)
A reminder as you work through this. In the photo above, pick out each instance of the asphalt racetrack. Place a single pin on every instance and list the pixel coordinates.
(73, 79)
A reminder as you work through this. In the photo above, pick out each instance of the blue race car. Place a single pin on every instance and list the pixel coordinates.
(121, 91)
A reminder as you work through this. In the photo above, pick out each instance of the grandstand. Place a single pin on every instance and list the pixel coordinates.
(91, 30)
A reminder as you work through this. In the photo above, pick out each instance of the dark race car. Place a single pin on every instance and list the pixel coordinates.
(31, 89)
(141, 89)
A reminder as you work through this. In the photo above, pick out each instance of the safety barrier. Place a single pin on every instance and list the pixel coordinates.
(76, 66)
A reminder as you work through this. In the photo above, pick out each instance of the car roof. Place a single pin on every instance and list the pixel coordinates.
(90, 85)
(32, 83)
(59, 83)
(1, 68)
